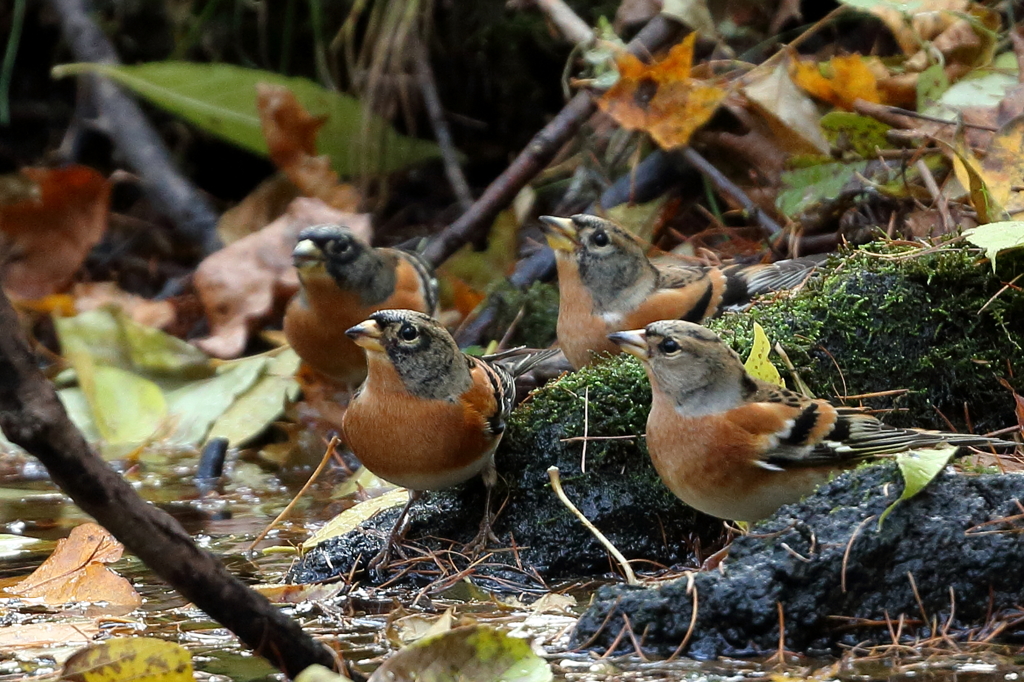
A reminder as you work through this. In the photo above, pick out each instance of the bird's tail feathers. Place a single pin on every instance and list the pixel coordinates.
(519, 361)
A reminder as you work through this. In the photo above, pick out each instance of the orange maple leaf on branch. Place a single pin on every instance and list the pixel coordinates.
(661, 98)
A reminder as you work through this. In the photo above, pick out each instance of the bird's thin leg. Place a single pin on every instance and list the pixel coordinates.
(395, 536)
(485, 534)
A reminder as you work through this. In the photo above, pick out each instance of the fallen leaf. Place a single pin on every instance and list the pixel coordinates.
(92, 295)
(130, 659)
(477, 652)
(839, 81)
(349, 519)
(291, 138)
(46, 239)
(1003, 167)
(245, 283)
(790, 114)
(661, 98)
(758, 365)
(918, 467)
(997, 237)
(75, 572)
(31, 635)
(252, 411)
(259, 208)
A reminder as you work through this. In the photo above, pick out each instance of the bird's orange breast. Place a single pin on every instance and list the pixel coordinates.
(315, 324)
(581, 332)
(413, 442)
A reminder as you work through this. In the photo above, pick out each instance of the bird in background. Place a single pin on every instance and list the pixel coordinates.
(342, 280)
(738, 448)
(607, 283)
(429, 416)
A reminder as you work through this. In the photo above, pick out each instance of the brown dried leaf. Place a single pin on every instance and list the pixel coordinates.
(93, 295)
(245, 283)
(661, 99)
(75, 572)
(47, 239)
(788, 112)
(261, 207)
(291, 132)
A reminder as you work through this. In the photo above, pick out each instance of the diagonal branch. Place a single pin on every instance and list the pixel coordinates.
(33, 417)
(658, 32)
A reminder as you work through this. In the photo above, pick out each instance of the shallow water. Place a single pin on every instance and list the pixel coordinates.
(364, 624)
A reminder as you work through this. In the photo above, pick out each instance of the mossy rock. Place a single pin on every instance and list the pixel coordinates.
(619, 491)
(882, 318)
(887, 324)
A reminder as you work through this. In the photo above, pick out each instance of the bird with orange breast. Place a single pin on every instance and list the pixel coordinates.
(429, 416)
(342, 280)
(736, 447)
(607, 283)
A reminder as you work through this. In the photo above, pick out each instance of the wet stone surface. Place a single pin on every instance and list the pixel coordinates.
(934, 537)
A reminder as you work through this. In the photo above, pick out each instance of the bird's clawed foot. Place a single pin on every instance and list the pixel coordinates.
(484, 537)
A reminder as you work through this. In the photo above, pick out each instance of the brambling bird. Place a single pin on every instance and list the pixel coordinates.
(429, 416)
(607, 284)
(739, 448)
(342, 280)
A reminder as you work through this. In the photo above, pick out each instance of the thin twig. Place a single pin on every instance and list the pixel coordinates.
(537, 154)
(846, 553)
(567, 21)
(556, 483)
(731, 190)
(435, 112)
(691, 586)
(302, 491)
(586, 429)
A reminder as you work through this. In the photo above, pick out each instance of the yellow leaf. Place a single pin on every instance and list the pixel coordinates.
(352, 517)
(662, 99)
(839, 81)
(757, 364)
(134, 659)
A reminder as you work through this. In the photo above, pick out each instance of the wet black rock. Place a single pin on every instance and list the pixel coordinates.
(616, 487)
(967, 576)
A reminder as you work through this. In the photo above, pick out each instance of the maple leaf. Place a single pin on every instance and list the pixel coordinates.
(661, 98)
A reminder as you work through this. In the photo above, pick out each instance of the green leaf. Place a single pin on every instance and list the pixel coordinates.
(255, 409)
(196, 405)
(861, 134)
(918, 467)
(126, 407)
(931, 84)
(221, 99)
(807, 187)
(758, 365)
(349, 519)
(997, 237)
(478, 652)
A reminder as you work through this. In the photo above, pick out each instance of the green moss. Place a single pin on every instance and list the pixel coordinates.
(539, 304)
(869, 323)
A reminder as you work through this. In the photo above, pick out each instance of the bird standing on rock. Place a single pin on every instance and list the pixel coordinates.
(428, 416)
(606, 284)
(735, 447)
(342, 280)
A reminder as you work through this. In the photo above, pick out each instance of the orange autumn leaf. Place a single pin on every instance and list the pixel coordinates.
(46, 238)
(291, 133)
(661, 99)
(75, 572)
(839, 81)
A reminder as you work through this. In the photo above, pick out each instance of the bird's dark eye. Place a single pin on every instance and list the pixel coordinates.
(669, 346)
(340, 247)
(599, 238)
(408, 332)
